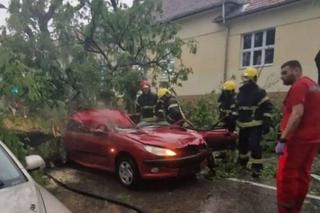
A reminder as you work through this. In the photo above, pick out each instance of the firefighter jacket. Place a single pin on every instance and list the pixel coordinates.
(169, 109)
(227, 104)
(227, 110)
(253, 106)
(145, 105)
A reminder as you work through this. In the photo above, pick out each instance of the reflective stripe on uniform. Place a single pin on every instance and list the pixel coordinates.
(248, 107)
(235, 113)
(172, 106)
(256, 161)
(149, 119)
(170, 119)
(244, 156)
(147, 107)
(267, 115)
(263, 100)
(249, 124)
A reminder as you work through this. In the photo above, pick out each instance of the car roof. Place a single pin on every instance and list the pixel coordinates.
(101, 116)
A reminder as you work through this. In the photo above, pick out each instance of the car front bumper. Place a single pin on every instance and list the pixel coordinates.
(176, 167)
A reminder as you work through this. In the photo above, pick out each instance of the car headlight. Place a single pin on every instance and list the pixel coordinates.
(159, 151)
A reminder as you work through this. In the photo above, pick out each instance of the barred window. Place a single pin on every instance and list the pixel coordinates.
(258, 48)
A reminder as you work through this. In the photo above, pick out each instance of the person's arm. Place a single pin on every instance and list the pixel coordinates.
(293, 121)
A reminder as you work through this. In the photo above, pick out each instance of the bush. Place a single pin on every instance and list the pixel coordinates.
(14, 144)
(203, 112)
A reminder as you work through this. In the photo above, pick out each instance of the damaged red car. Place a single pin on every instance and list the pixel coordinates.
(109, 140)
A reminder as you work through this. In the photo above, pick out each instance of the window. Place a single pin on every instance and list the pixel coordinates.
(258, 48)
(10, 174)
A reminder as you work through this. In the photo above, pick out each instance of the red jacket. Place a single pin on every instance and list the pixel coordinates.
(307, 92)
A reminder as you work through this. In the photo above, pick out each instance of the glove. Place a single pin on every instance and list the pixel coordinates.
(280, 146)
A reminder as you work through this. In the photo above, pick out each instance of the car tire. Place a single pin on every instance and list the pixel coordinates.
(63, 154)
(128, 172)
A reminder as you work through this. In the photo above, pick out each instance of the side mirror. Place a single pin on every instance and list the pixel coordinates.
(34, 162)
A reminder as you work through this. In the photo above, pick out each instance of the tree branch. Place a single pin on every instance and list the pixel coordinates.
(114, 4)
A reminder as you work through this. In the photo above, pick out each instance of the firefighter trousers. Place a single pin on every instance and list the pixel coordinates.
(293, 175)
(249, 141)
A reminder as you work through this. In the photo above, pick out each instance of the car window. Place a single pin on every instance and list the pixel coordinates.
(10, 174)
(122, 124)
(76, 126)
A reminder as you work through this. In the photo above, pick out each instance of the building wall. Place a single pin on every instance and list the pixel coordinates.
(208, 62)
(297, 37)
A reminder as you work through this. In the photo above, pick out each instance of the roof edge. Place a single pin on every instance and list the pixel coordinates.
(200, 10)
(220, 20)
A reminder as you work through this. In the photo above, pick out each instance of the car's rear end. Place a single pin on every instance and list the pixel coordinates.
(220, 139)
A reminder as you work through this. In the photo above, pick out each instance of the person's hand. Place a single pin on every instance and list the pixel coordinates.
(280, 147)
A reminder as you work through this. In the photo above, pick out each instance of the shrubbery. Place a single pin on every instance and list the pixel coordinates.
(14, 144)
(202, 112)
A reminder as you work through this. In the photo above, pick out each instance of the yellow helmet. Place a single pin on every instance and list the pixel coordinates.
(162, 92)
(229, 85)
(250, 73)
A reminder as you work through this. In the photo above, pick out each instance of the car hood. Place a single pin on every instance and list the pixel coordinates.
(169, 136)
(21, 198)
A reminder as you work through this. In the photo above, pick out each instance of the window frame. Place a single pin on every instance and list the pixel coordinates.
(252, 49)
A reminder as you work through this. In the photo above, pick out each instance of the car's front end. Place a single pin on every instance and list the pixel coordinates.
(168, 152)
(185, 161)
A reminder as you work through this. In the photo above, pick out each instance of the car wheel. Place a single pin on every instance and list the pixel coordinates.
(127, 172)
(63, 155)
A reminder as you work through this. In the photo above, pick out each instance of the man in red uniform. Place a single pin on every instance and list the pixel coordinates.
(300, 137)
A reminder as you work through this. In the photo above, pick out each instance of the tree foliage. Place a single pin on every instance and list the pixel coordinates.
(58, 52)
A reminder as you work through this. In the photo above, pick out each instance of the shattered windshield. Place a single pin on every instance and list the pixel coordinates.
(9, 173)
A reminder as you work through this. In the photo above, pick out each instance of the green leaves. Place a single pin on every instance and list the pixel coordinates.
(69, 51)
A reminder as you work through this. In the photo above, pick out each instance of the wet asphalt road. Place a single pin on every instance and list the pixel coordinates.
(184, 195)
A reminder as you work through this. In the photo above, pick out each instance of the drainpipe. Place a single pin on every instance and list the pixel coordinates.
(227, 32)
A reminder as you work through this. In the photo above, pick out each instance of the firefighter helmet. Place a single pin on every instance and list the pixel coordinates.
(229, 85)
(250, 73)
(162, 92)
(144, 84)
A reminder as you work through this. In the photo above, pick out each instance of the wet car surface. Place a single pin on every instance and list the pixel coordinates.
(108, 140)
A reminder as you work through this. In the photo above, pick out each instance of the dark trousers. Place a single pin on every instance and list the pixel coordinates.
(249, 140)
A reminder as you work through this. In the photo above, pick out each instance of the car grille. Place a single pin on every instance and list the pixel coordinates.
(191, 150)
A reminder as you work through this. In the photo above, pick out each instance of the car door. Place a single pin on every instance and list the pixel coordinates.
(93, 146)
(84, 144)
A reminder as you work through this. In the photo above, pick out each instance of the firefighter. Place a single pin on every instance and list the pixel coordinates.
(146, 102)
(226, 105)
(168, 107)
(254, 120)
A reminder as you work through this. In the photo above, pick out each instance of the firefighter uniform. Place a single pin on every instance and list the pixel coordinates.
(146, 103)
(227, 106)
(168, 107)
(254, 119)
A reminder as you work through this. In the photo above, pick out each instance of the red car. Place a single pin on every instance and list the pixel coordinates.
(109, 140)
